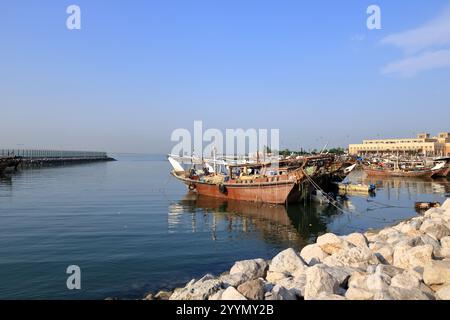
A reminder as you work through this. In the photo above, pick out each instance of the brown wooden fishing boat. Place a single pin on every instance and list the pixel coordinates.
(422, 173)
(259, 182)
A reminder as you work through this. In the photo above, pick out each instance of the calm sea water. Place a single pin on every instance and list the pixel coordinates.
(132, 228)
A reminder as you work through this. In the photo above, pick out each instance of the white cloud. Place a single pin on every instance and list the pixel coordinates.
(426, 47)
(411, 66)
(434, 33)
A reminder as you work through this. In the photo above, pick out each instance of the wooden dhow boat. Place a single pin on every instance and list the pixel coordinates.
(265, 182)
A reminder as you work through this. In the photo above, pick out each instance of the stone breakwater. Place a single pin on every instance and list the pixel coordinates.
(408, 261)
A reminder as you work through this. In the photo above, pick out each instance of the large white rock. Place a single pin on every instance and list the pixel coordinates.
(231, 293)
(443, 293)
(328, 297)
(233, 279)
(217, 295)
(281, 293)
(407, 294)
(358, 280)
(251, 269)
(445, 247)
(331, 243)
(446, 205)
(287, 261)
(391, 271)
(435, 228)
(294, 285)
(198, 290)
(357, 239)
(437, 272)
(356, 293)
(408, 257)
(405, 281)
(312, 254)
(385, 253)
(378, 282)
(274, 277)
(355, 257)
(319, 281)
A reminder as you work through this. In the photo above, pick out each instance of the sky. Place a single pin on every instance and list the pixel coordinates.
(137, 70)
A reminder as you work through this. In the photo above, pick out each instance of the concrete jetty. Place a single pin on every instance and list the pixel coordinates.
(406, 261)
(25, 158)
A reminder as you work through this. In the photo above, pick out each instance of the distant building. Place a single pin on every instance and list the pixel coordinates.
(422, 144)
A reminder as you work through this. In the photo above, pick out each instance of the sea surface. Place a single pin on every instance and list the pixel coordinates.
(134, 229)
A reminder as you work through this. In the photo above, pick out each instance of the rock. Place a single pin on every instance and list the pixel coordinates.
(329, 296)
(233, 280)
(434, 213)
(357, 239)
(319, 281)
(426, 239)
(445, 247)
(371, 236)
(149, 297)
(163, 295)
(341, 274)
(420, 255)
(385, 254)
(371, 269)
(358, 280)
(382, 295)
(437, 272)
(408, 257)
(435, 228)
(287, 261)
(217, 295)
(312, 254)
(391, 271)
(356, 257)
(252, 269)
(405, 281)
(281, 293)
(231, 293)
(407, 294)
(198, 290)
(446, 205)
(294, 285)
(378, 282)
(409, 226)
(444, 293)
(252, 290)
(355, 293)
(274, 277)
(331, 243)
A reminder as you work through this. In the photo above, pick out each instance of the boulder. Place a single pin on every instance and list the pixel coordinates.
(426, 239)
(274, 277)
(163, 295)
(355, 257)
(378, 282)
(443, 293)
(407, 294)
(385, 254)
(331, 243)
(445, 247)
(281, 293)
(287, 261)
(358, 280)
(328, 297)
(294, 285)
(312, 254)
(356, 293)
(198, 290)
(233, 280)
(435, 228)
(231, 293)
(357, 239)
(318, 281)
(251, 269)
(408, 257)
(446, 205)
(252, 290)
(405, 281)
(437, 272)
(410, 226)
(389, 270)
(217, 295)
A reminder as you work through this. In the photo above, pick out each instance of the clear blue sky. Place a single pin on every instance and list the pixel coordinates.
(139, 69)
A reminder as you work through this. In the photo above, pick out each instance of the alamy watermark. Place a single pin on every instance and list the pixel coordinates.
(374, 19)
(236, 142)
(73, 21)
(74, 280)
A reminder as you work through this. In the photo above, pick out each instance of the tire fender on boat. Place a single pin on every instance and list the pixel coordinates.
(191, 186)
(222, 189)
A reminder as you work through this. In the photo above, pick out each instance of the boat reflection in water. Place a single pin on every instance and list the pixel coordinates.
(296, 224)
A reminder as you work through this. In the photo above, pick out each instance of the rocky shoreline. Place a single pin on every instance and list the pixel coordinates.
(408, 261)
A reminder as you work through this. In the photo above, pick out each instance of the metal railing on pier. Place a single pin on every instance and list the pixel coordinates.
(52, 154)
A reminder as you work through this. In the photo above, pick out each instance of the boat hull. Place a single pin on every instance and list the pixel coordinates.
(392, 173)
(276, 193)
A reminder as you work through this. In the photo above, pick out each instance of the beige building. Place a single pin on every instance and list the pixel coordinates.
(422, 144)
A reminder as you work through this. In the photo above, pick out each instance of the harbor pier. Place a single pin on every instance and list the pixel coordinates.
(26, 158)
